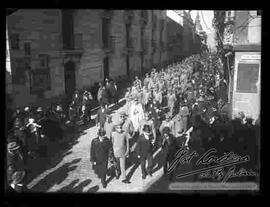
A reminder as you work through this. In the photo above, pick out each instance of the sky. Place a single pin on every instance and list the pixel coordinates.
(206, 17)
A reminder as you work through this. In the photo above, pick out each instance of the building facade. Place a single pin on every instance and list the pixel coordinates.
(53, 52)
(242, 37)
(182, 38)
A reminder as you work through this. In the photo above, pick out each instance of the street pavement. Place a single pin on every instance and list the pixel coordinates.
(73, 173)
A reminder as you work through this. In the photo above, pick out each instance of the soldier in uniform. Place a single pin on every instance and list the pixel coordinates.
(171, 102)
(101, 116)
(99, 155)
(167, 123)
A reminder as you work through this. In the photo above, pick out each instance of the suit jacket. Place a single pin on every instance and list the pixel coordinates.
(99, 151)
(169, 146)
(144, 146)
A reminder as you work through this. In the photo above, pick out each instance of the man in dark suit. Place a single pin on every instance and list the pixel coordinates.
(168, 149)
(99, 155)
(144, 150)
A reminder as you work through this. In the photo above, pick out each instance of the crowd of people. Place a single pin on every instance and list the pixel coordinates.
(182, 106)
(33, 130)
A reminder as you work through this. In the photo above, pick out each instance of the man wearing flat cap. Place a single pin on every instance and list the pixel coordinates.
(99, 155)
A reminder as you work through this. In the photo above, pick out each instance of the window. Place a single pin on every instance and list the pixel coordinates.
(27, 48)
(67, 29)
(44, 61)
(247, 78)
(14, 41)
(229, 15)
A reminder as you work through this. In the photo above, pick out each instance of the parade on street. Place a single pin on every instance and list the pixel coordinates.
(176, 122)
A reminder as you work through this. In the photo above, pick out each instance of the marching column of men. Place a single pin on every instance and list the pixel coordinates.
(182, 106)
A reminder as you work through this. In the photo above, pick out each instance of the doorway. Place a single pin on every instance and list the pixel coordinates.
(70, 79)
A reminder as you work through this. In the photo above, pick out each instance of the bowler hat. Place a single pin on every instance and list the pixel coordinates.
(13, 146)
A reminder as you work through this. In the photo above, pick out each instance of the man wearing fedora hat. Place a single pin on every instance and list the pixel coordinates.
(15, 163)
(99, 155)
(120, 143)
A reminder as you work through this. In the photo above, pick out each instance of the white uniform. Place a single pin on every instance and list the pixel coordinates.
(136, 115)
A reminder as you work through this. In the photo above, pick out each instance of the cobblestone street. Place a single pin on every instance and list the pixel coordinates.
(74, 173)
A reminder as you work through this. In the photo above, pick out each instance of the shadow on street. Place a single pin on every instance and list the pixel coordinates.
(55, 177)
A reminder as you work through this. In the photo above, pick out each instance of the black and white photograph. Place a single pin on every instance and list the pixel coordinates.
(132, 101)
